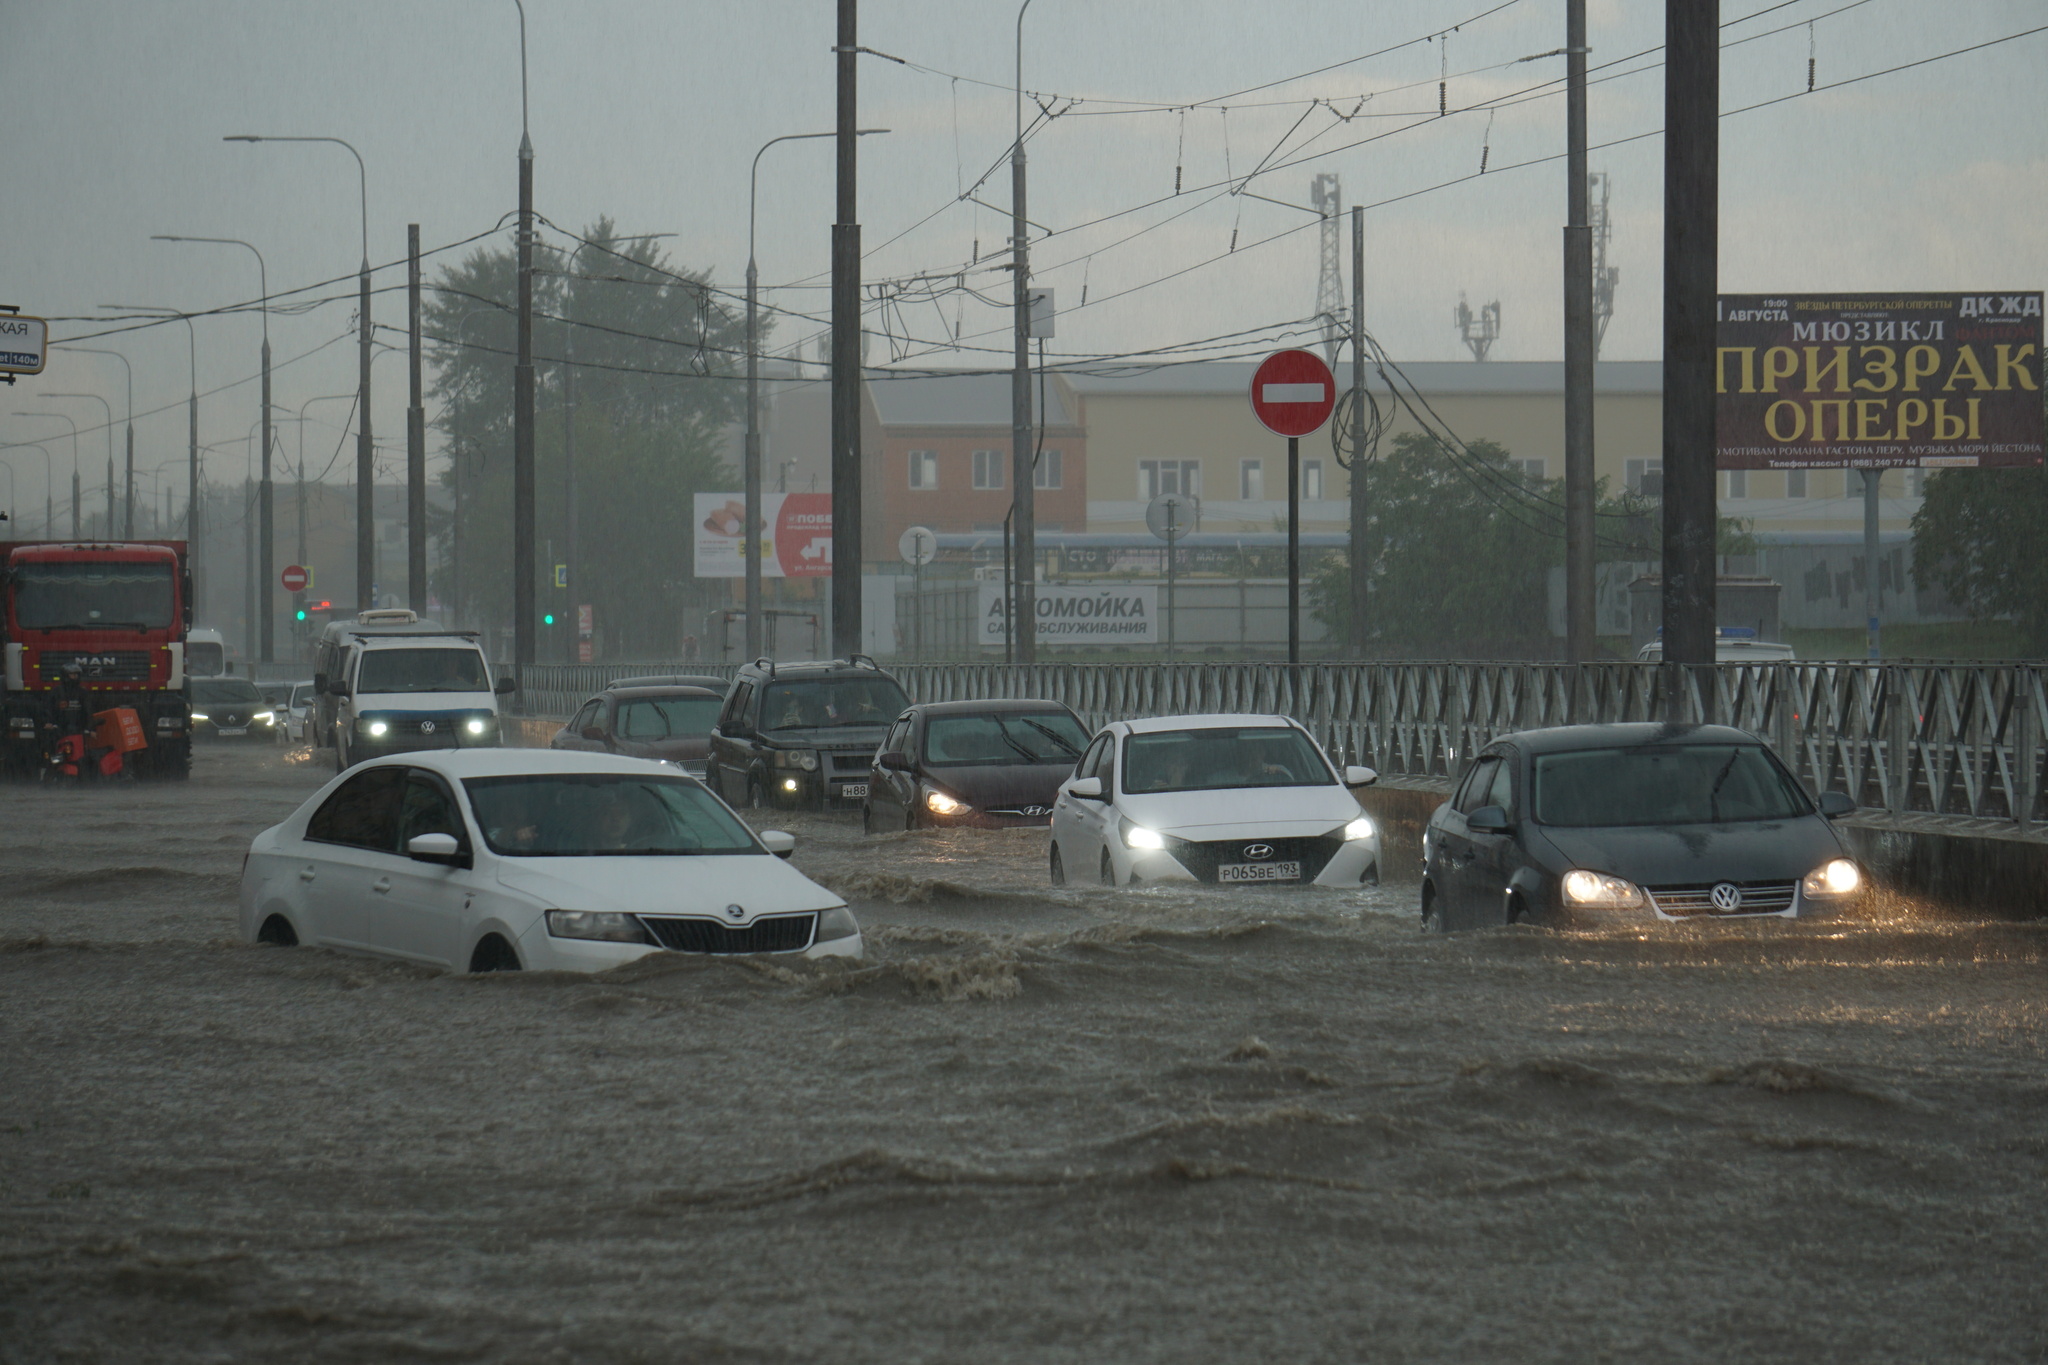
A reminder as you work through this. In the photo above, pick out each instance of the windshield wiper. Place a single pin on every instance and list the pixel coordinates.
(1714, 792)
(1050, 734)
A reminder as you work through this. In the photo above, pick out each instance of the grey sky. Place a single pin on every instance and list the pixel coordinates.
(650, 110)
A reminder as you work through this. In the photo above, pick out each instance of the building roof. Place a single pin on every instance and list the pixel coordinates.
(967, 399)
(1430, 376)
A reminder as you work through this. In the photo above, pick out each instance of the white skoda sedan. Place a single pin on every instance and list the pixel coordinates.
(1226, 799)
(502, 859)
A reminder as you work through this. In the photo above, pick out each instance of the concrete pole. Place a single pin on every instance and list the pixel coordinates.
(522, 397)
(128, 502)
(1873, 480)
(1023, 498)
(750, 545)
(1580, 343)
(846, 376)
(415, 438)
(1691, 200)
(1361, 507)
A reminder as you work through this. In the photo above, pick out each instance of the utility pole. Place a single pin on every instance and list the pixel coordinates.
(415, 439)
(522, 401)
(1361, 565)
(1327, 198)
(1580, 341)
(128, 501)
(846, 378)
(1024, 499)
(1692, 82)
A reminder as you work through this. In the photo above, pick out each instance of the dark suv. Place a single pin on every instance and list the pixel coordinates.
(802, 734)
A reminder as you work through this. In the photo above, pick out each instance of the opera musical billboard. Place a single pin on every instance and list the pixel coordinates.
(1877, 381)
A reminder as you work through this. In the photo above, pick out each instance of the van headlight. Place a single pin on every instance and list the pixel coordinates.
(1837, 877)
(838, 922)
(1597, 888)
(476, 725)
(1137, 836)
(1361, 828)
(374, 728)
(607, 926)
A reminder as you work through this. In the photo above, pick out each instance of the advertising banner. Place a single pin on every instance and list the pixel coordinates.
(796, 535)
(1119, 614)
(1872, 381)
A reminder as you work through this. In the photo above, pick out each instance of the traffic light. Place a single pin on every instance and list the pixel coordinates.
(300, 614)
(548, 619)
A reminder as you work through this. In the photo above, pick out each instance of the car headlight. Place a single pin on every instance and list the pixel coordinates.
(477, 725)
(267, 717)
(1361, 828)
(201, 715)
(1838, 877)
(807, 759)
(608, 926)
(938, 803)
(1137, 836)
(789, 784)
(837, 922)
(1596, 888)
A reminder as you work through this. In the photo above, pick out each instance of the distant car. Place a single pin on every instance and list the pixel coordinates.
(1637, 823)
(292, 701)
(669, 723)
(1221, 798)
(985, 763)
(802, 734)
(502, 859)
(1729, 649)
(231, 708)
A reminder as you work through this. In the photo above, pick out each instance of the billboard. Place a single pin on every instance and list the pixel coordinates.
(1873, 381)
(1118, 614)
(796, 535)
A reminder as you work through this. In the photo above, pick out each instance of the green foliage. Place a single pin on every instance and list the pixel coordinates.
(1979, 534)
(652, 364)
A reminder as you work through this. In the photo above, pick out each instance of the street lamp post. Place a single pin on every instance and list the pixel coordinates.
(49, 504)
(192, 437)
(304, 550)
(265, 550)
(108, 408)
(74, 460)
(1023, 496)
(366, 526)
(523, 530)
(128, 504)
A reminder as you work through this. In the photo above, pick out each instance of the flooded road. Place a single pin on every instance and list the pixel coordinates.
(1034, 1125)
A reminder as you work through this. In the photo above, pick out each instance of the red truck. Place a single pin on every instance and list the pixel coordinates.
(90, 627)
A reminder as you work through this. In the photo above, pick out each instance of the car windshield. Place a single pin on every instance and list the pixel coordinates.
(955, 741)
(85, 596)
(603, 815)
(1223, 757)
(1689, 784)
(205, 656)
(816, 703)
(302, 694)
(422, 670)
(655, 718)
(221, 691)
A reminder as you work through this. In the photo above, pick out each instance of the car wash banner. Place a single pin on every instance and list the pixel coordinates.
(1070, 614)
(796, 539)
(1870, 381)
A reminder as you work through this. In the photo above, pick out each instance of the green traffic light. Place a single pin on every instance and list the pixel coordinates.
(548, 619)
(301, 614)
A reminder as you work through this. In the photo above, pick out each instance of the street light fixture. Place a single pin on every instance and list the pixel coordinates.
(128, 513)
(192, 429)
(49, 505)
(66, 420)
(109, 409)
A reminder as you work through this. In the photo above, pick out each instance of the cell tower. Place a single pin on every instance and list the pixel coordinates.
(1605, 276)
(1328, 200)
(1480, 329)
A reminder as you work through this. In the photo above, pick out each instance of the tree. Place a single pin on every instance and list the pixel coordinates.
(653, 356)
(1979, 535)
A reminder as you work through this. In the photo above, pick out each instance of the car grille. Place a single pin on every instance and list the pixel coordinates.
(1022, 812)
(107, 665)
(856, 761)
(769, 934)
(445, 727)
(1758, 898)
(230, 720)
(1202, 859)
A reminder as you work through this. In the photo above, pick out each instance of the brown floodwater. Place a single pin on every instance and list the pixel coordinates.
(1036, 1124)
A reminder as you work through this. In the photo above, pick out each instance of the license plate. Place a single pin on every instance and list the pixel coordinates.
(234, 732)
(1259, 872)
(852, 790)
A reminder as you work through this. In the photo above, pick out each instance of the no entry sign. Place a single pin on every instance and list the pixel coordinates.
(295, 578)
(1293, 392)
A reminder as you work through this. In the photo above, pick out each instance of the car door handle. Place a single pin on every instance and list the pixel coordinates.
(306, 874)
(381, 885)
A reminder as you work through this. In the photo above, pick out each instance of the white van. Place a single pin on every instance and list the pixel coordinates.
(206, 653)
(391, 683)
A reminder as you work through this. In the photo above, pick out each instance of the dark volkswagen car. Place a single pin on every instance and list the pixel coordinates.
(662, 722)
(802, 734)
(1637, 822)
(988, 763)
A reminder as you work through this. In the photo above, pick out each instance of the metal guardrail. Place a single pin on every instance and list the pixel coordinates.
(1956, 740)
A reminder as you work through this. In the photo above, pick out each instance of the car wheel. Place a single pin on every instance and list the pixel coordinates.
(277, 930)
(909, 819)
(1432, 911)
(867, 818)
(1106, 873)
(493, 954)
(340, 756)
(1059, 868)
(757, 794)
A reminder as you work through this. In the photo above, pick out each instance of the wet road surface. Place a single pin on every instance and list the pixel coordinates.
(1035, 1125)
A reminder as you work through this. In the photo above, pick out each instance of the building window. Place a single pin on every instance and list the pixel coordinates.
(1738, 483)
(1535, 471)
(1159, 477)
(1795, 483)
(1048, 474)
(1645, 478)
(924, 469)
(1311, 480)
(1251, 480)
(988, 468)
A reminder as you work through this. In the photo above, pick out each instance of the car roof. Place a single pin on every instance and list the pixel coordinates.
(1212, 721)
(459, 763)
(443, 638)
(814, 668)
(678, 690)
(715, 683)
(982, 708)
(1623, 735)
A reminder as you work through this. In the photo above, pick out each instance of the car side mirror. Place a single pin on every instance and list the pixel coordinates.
(1835, 804)
(338, 689)
(436, 848)
(319, 682)
(505, 687)
(1489, 820)
(779, 842)
(1088, 788)
(894, 761)
(1355, 776)
(593, 732)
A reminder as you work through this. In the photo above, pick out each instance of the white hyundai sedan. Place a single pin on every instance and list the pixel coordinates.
(1228, 799)
(502, 859)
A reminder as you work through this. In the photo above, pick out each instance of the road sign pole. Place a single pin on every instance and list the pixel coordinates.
(1173, 528)
(1294, 549)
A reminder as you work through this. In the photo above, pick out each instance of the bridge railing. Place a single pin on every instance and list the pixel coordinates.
(1905, 736)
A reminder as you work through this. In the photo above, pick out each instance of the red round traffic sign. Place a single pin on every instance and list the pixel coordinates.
(1293, 392)
(295, 578)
